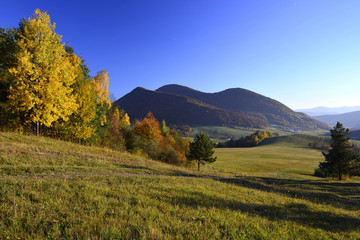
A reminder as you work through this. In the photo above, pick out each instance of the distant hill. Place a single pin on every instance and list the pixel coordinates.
(242, 100)
(180, 110)
(350, 120)
(318, 111)
(355, 135)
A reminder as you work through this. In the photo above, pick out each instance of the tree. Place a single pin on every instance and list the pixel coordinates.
(41, 90)
(149, 128)
(103, 104)
(340, 160)
(201, 150)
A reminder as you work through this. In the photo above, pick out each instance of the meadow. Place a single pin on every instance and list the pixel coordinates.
(279, 159)
(52, 189)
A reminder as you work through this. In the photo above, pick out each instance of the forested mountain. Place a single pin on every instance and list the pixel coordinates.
(242, 100)
(349, 120)
(233, 107)
(180, 110)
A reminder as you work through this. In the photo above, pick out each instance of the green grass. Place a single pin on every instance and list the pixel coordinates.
(276, 160)
(57, 190)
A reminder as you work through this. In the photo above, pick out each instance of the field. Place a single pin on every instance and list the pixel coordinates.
(276, 160)
(59, 190)
(222, 133)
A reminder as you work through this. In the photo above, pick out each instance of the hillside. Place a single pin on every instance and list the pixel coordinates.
(180, 110)
(59, 190)
(242, 100)
(349, 120)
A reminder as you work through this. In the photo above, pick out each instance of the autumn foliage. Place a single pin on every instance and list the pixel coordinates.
(46, 89)
(157, 142)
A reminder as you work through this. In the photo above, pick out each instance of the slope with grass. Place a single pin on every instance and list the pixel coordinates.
(60, 190)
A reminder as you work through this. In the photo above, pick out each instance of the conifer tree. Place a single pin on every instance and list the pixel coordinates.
(201, 150)
(41, 92)
(340, 160)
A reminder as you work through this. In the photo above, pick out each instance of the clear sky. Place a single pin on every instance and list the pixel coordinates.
(302, 53)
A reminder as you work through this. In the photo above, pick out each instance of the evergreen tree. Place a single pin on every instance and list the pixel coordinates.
(201, 150)
(340, 160)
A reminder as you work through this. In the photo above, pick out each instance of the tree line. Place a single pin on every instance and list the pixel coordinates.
(248, 141)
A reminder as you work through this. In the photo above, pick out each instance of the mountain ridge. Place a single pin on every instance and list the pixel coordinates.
(319, 111)
(243, 100)
(349, 120)
(167, 106)
(231, 107)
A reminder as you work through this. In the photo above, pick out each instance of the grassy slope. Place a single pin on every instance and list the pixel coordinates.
(54, 189)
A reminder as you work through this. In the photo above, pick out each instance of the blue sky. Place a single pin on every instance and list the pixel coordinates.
(302, 53)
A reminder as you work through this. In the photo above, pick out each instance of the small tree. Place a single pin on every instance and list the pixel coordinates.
(340, 159)
(201, 150)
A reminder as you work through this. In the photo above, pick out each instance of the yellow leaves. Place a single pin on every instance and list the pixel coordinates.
(125, 121)
(43, 75)
(101, 86)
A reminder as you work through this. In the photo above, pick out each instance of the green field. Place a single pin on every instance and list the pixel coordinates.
(58, 190)
(276, 160)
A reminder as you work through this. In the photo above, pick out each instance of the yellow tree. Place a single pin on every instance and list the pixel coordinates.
(101, 88)
(43, 74)
(80, 124)
(124, 120)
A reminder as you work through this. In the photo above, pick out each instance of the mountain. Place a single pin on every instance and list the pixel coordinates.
(318, 111)
(242, 100)
(180, 110)
(350, 120)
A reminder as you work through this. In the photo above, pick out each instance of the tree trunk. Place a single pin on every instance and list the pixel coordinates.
(340, 178)
(199, 166)
(37, 128)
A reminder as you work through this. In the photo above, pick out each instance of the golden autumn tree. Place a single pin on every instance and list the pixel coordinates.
(80, 125)
(124, 120)
(41, 92)
(101, 86)
(103, 106)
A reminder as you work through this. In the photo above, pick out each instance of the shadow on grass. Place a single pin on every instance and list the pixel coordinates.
(299, 213)
(338, 194)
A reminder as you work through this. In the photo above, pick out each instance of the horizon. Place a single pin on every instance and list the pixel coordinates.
(302, 54)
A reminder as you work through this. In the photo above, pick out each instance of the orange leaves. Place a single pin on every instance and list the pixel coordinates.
(149, 128)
